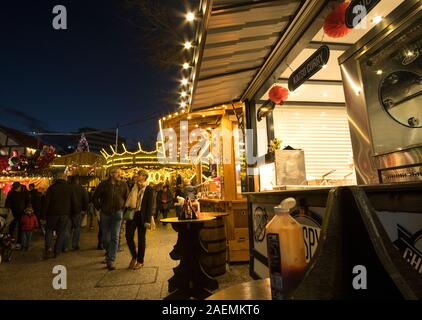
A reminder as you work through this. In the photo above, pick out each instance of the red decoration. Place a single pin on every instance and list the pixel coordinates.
(278, 94)
(6, 189)
(47, 155)
(4, 164)
(335, 22)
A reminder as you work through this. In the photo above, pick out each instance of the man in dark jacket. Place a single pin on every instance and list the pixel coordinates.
(17, 200)
(110, 198)
(81, 206)
(141, 220)
(59, 206)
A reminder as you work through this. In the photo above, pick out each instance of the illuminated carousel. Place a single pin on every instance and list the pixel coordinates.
(159, 168)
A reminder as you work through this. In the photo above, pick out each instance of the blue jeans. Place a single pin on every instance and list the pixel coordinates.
(26, 239)
(110, 228)
(76, 228)
(60, 225)
(67, 236)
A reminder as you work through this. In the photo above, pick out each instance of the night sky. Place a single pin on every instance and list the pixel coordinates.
(91, 75)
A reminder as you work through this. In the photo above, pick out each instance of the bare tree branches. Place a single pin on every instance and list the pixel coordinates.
(160, 31)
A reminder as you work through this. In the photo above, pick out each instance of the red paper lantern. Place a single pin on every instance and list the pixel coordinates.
(278, 94)
(335, 22)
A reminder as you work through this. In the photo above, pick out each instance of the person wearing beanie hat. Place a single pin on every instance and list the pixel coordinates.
(29, 223)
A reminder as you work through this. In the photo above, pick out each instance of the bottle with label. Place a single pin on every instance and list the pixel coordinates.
(183, 215)
(196, 207)
(286, 250)
(193, 209)
(188, 209)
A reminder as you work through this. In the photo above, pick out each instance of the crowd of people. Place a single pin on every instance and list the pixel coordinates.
(116, 204)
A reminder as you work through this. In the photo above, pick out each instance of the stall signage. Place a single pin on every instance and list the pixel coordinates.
(357, 10)
(410, 246)
(311, 224)
(309, 68)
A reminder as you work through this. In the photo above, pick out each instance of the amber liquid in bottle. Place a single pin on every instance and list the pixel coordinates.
(286, 251)
(184, 212)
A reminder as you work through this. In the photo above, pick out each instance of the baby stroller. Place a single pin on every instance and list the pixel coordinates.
(7, 243)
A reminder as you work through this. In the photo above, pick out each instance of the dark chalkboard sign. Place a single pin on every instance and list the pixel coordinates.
(309, 68)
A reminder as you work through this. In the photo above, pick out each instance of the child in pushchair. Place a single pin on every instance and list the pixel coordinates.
(7, 243)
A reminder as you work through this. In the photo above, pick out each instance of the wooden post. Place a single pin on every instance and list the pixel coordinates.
(228, 159)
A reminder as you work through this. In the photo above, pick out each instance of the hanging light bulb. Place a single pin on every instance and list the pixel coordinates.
(183, 104)
(377, 19)
(184, 82)
(190, 16)
(188, 45)
(186, 66)
(183, 94)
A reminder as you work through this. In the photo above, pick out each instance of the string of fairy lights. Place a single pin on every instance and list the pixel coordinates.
(187, 70)
(187, 77)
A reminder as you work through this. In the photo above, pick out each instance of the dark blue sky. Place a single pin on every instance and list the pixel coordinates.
(93, 74)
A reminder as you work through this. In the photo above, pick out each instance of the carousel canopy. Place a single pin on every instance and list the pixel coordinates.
(140, 159)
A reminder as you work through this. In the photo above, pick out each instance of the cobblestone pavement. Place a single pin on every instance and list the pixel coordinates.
(27, 276)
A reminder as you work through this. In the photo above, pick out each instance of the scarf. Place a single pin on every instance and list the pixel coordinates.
(135, 196)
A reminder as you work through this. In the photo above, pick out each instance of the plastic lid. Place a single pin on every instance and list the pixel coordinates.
(285, 206)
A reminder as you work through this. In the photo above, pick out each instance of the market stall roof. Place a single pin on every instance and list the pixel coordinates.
(240, 45)
(21, 138)
(79, 158)
(201, 119)
(237, 37)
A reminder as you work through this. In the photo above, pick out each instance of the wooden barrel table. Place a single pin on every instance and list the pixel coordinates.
(213, 237)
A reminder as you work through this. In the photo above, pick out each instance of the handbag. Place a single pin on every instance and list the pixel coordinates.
(129, 214)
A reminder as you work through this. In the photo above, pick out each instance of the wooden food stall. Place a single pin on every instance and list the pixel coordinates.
(89, 166)
(220, 173)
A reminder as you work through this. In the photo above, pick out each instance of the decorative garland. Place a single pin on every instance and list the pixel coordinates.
(21, 163)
